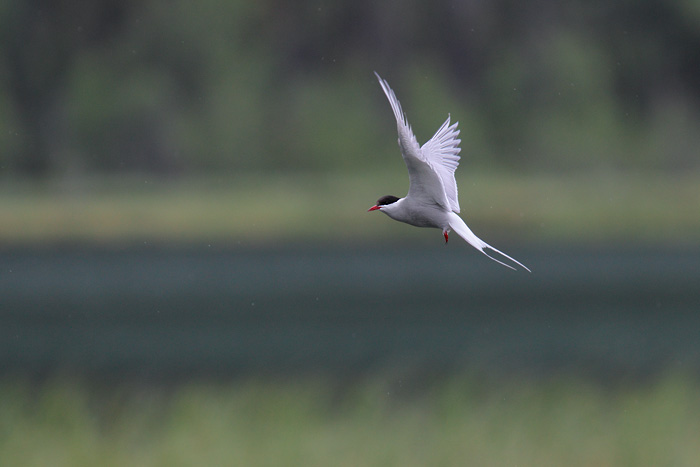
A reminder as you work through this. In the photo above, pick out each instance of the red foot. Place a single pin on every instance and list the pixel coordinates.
(445, 234)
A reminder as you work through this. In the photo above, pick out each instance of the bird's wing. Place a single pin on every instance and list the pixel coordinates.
(426, 179)
(442, 154)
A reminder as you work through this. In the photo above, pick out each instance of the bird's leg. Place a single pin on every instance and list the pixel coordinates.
(445, 232)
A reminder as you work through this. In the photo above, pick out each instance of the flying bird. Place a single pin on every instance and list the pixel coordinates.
(432, 194)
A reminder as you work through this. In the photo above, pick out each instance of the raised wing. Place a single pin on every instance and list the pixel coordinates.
(426, 184)
(442, 153)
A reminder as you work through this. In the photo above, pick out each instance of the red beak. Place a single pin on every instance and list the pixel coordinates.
(373, 208)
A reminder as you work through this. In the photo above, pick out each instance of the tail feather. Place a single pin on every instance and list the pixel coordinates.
(458, 225)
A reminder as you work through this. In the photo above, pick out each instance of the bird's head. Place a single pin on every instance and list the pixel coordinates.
(383, 202)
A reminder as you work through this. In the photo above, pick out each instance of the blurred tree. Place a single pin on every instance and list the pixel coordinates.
(42, 39)
(238, 85)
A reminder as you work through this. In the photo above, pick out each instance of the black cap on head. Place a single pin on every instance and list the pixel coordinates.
(388, 199)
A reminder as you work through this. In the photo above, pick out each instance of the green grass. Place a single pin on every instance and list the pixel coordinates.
(610, 207)
(376, 421)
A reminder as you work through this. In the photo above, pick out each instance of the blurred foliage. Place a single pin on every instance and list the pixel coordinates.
(172, 87)
(251, 209)
(381, 420)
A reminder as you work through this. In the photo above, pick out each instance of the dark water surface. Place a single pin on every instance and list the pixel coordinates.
(178, 311)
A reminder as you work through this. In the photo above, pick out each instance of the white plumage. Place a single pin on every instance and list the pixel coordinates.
(432, 199)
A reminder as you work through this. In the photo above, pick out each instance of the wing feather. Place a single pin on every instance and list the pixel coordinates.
(442, 153)
(425, 171)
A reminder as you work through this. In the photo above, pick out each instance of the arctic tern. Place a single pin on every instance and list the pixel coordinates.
(432, 194)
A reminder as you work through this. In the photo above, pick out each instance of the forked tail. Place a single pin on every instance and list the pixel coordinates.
(458, 225)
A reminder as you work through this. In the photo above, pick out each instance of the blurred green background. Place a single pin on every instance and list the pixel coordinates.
(177, 88)
(188, 274)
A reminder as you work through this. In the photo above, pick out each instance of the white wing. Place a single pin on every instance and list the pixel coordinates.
(442, 153)
(431, 166)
